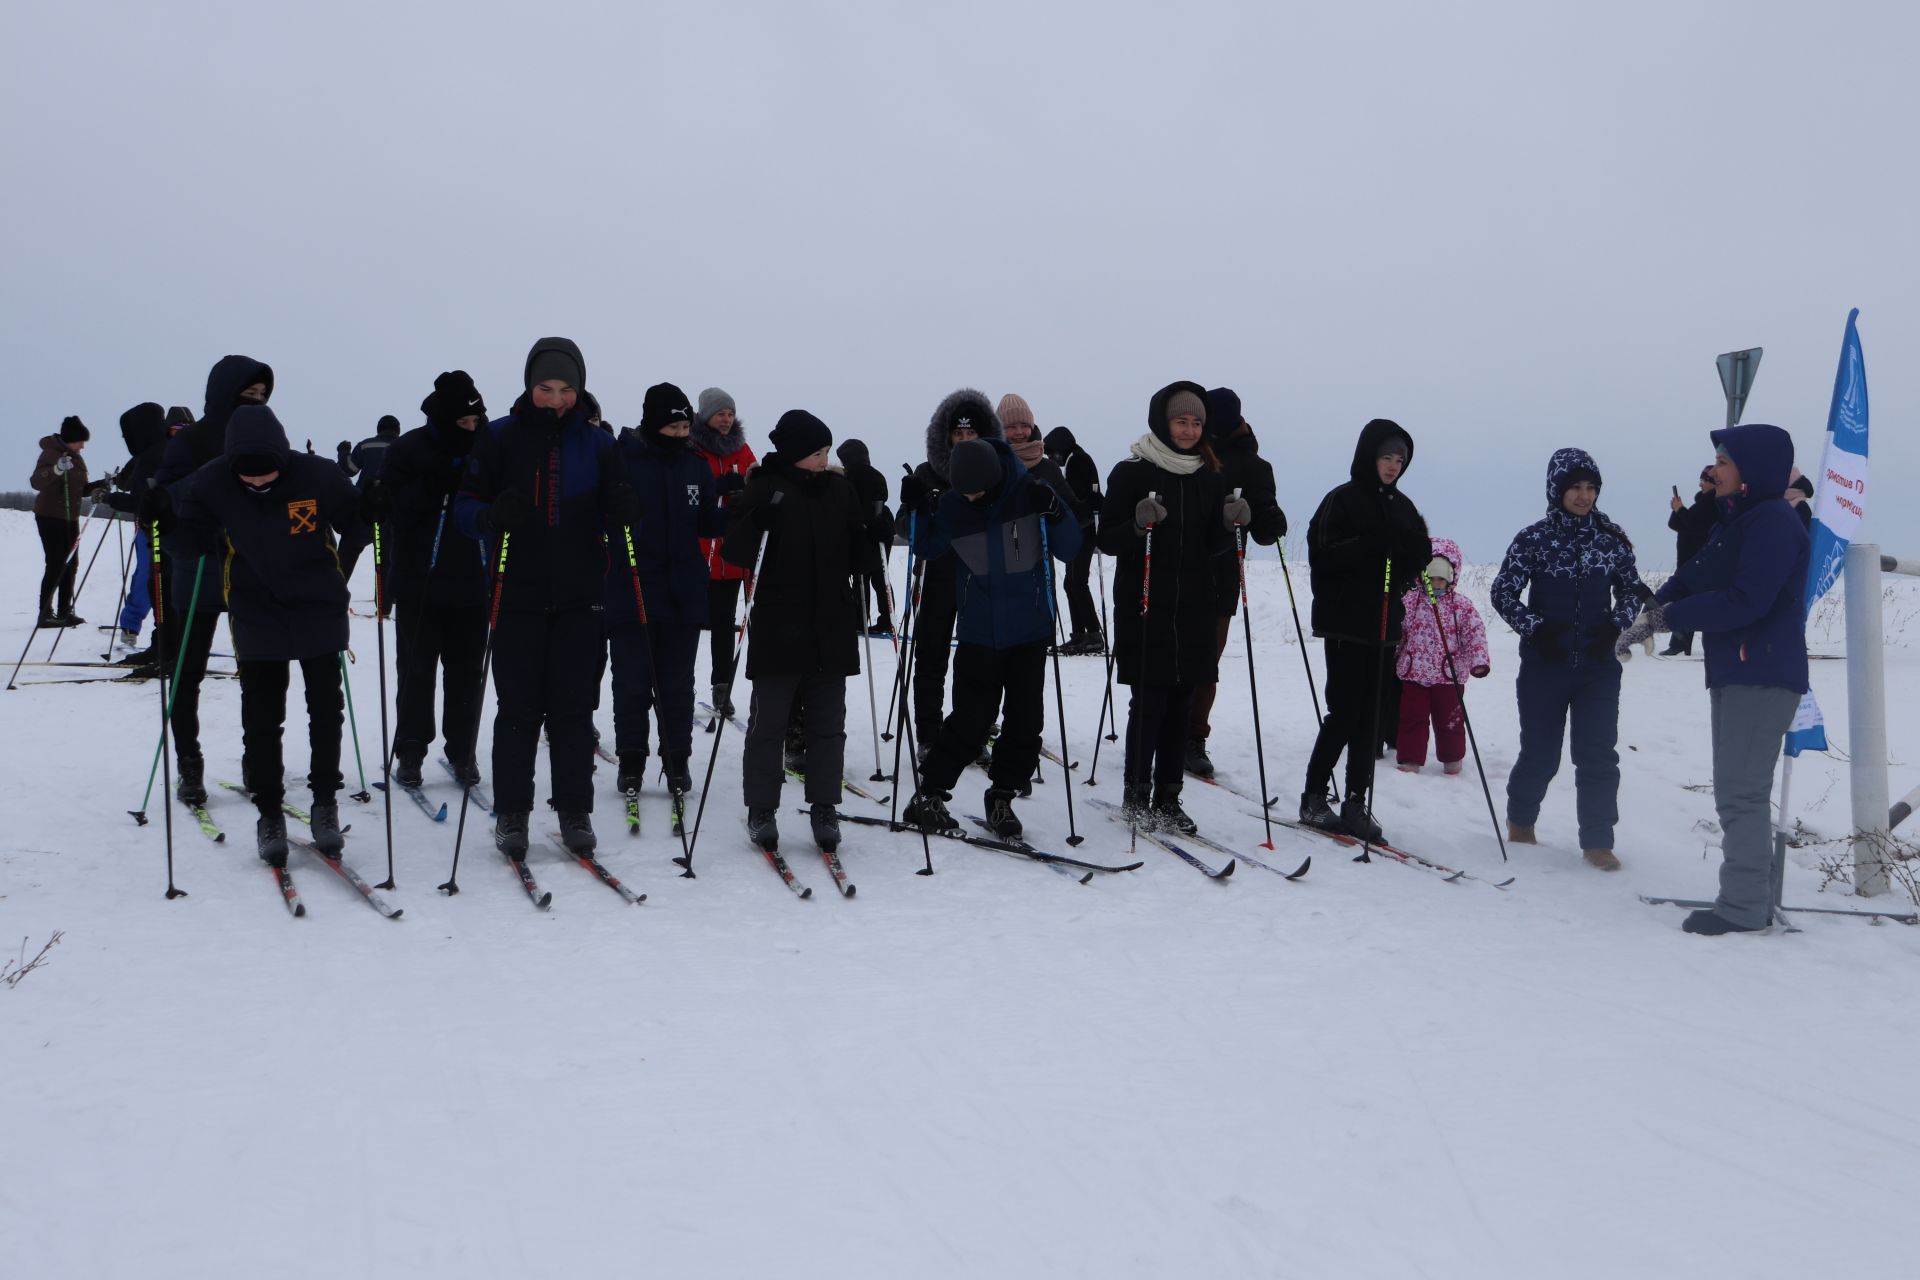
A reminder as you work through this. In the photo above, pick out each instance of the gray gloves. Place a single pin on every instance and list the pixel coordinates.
(1148, 512)
(1237, 512)
(1652, 619)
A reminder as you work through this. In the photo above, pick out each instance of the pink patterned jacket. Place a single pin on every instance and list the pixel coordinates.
(1422, 656)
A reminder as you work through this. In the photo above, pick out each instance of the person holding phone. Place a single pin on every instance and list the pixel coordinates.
(1692, 525)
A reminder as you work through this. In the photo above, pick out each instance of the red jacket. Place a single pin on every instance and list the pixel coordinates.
(736, 463)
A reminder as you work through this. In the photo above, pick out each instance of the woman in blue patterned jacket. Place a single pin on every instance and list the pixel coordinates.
(1581, 590)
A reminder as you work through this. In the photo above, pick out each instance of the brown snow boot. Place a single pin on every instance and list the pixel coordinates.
(1517, 834)
(1601, 858)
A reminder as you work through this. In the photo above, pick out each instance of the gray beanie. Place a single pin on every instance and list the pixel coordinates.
(712, 401)
(1395, 443)
(974, 467)
(1183, 403)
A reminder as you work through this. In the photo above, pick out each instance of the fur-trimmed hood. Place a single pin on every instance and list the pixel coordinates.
(710, 442)
(965, 405)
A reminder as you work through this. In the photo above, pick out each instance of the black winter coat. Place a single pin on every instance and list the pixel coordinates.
(199, 443)
(1081, 473)
(1242, 468)
(429, 559)
(1358, 527)
(1174, 643)
(281, 578)
(677, 509)
(1693, 525)
(806, 613)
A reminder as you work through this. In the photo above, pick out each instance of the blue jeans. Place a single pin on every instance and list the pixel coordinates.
(1551, 692)
(133, 614)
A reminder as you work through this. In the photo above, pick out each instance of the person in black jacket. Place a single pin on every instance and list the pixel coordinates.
(1166, 503)
(1083, 481)
(1244, 471)
(363, 462)
(542, 492)
(675, 490)
(803, 629)
(144, 429)
(193, 583)
(275, 514)
(436, 580)
(1692, 525)
(876, 596)
(1366, 545)
(963, 415)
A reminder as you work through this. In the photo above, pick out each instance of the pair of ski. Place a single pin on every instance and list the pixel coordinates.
(1013, 848)
(831, 857)
(1180, 851)
(291, 895)
(438, 812)
(677, 815)
(542, 899)
(846, 782)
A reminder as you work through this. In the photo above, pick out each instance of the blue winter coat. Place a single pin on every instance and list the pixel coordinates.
(1002, 582)
(560, 561)
(677, 507)
(1576, 570)
(1744, 591)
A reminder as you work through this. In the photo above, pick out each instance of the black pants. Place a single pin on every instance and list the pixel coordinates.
(352, 543)
(932, 650)
(674, 647)
(188, 649)
(57, 542)
(876, 601)
(723, 602)
(545, 672)
(1157, 734)
(1356, 678)
(263, 711)
(825, 717)
(1086, 622)
(453, 640)
(982, 679)
(1198, 715)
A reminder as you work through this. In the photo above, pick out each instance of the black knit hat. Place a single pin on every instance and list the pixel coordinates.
(556, 358)
(73, 431)
(798, 435)
(454, 397)
(665, 405)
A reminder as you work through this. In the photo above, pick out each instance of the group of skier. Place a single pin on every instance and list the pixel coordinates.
(541, 546)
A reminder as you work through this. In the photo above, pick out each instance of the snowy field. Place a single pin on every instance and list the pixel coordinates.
(992, 1071)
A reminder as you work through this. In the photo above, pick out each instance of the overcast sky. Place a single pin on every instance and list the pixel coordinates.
(1511, 227)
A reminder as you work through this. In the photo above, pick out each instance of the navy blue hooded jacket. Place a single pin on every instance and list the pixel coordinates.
(1744, 591)
(197, 444)
(281, 578)
(1578, 572)
(675, 487)
(429, 559)
(1003, 587)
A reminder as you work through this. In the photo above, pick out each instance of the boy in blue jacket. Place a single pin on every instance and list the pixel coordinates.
(991, 520)
(1744, 594)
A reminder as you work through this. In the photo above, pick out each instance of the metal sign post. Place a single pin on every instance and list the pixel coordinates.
(1737, 370)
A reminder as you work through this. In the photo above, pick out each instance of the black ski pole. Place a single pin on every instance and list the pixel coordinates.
(179, 663)
(903, 634)
(1253, 685)
(653, 682)
(1106, 645)
(1074, 838)
(1379, 697)
(386, 739)
(486, 662)
(160, 634)
(1313, 690)
(873, 701)
(916, 578)
(1453, 674)
(120, 599)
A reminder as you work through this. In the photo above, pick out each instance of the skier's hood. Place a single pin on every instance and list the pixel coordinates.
(1157, 416)
(566, 347)
(1059, 443)
(1449, 550)
(142, 427)
(253, 428)
(712, 443)
(1560, 469)
(230, 376)
(1367, 448)
(853, 455)
(965, 405)
(1764, 455)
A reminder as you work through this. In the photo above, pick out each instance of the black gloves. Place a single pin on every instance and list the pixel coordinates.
(373, 504)
(762, 515)
(728, 482)
(1042, 500)
(156, 509)
(620, 504)
(917, 496)
(511, 511)
(1549, 640)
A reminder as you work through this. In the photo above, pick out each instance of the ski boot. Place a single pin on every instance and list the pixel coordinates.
(826, 826)
(1136, 803)
(270, 838)
(576, 832)
(324, 821)
(723, 700)
(1358, 822)
(633, 771)
(1451, 767)
(1520, 833)
(1602, 859)
(510, 835)
(1709, 925)
(679, 777)
(1167, 813)
(928, 812)
(1199, 763)
(192, 784)
(763, 830)
(1316, 812)
(406, 765)
(466, 770)
(1001, 819)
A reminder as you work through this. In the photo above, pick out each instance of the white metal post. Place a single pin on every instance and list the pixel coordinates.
(1867, 720)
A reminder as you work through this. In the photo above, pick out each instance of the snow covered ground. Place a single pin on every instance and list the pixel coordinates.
(990, 1071)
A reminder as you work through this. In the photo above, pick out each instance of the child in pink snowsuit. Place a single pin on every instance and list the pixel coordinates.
(1430, 689)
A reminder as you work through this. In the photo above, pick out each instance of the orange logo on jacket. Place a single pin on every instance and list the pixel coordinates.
(302, 515)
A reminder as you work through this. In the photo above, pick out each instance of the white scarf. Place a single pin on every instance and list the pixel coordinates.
(1150, 448)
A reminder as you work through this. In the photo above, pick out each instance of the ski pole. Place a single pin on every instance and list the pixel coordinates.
(120, 598)
(1453, 674)
(160, 634)
(733, 672)
(873, 701)
(1313, 690)
(653, 678)
(903, 634)
(386, 739)
(1253, 685)
(913, 757)
(907, 633)
(1074, 838)
(1379, 696)
(408, 665)
(1146, 573)
(452, 885)
(179, 664)
(363, 795)
(61, 632)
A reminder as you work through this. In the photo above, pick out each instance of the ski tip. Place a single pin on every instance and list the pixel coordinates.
(1228, 869)
(1501, 884)
(639, 898)
(1302, 870)
(806, 893)
(1455, 877)
(442, 815)
(849, 891)
(396, 913)
(1087, 878)
(221, 838)
(299, 910)
(544, 901)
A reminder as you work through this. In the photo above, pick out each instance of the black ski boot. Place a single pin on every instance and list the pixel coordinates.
(1137, 805)
(270, 836)
(1358, 822)
(324, 821)
(1317, 812)
(576, 832)
(1167, 813)
(192, 785)
(1001, 818)
(723, 700)
(928, 811)
(406, 765)
(763, 830)
(826, 826)
(1199, 763)
(633, 771)
(510, 835)
(679, 777)
(465, 771)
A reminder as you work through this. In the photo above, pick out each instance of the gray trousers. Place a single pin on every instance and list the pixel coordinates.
(824, 716)
(1750, 725)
